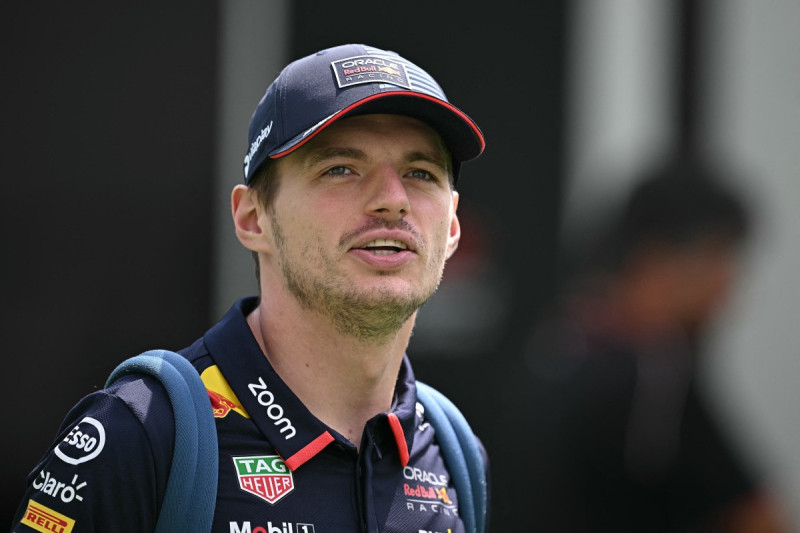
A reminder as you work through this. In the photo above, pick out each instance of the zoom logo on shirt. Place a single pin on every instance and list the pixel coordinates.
(83, 443)
(274, 410)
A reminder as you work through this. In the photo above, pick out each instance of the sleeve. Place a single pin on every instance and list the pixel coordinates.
(108, 466)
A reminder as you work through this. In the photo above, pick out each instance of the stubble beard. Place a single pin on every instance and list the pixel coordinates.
(366, 315)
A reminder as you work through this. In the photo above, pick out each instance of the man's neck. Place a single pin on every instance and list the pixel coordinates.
(342, 380)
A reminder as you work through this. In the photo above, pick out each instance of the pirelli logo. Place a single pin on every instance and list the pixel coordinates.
(46, 520)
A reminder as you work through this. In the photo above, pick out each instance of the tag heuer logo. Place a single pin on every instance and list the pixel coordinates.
(266, 476)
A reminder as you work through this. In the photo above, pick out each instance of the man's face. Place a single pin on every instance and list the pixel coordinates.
(363, 221)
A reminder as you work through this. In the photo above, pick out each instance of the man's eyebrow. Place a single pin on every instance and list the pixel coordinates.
(321, 155)
(437, 159)
(332, 152)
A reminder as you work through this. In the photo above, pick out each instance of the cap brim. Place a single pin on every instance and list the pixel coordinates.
(459, 132)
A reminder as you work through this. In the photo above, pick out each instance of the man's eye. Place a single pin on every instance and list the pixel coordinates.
(338, 171)
(422, 175)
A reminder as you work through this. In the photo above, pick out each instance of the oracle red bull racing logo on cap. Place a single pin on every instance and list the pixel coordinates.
(370, 69)
(265, 476)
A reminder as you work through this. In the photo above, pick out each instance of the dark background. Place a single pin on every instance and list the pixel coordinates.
(110, 156)
(108, 152)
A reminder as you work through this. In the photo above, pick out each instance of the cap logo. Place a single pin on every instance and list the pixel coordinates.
(370, 69)
(255, 145)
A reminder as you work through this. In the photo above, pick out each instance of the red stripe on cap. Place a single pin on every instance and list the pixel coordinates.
(310, 450)
(349, 108)
(399, 437)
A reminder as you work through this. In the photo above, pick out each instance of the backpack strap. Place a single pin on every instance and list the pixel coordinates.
(191, 490)
(461, 453)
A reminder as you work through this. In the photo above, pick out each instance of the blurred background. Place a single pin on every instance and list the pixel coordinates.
(125, 127)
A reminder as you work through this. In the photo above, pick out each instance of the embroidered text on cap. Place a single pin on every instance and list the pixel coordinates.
(370, 69)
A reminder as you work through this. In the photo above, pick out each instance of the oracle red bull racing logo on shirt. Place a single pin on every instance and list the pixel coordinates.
(265, 476)
(427, 492)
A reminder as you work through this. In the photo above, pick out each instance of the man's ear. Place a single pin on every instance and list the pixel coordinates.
(249, 219)
(455, 229)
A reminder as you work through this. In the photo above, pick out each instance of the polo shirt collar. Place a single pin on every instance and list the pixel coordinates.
(278, 413)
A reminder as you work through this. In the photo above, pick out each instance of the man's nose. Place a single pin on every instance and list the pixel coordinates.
(388, 197)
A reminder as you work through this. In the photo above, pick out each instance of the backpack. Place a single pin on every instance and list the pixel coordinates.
(190, 495)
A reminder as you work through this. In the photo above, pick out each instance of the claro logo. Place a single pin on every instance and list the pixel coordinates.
(274, 411)
(48, 484)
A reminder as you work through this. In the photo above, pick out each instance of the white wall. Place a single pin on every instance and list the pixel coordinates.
(751, 109)
(253, 50)
(618, 110)
(754, 101)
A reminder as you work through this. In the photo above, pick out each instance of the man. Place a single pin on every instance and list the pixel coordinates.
(349, 208)
(624, 439)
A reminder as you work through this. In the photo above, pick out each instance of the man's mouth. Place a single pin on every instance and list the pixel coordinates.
(384, 246)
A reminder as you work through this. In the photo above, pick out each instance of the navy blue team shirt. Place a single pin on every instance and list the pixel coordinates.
(281, 470)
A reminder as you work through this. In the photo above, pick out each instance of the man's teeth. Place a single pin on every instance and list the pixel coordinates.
(385, 246)
(386, 242)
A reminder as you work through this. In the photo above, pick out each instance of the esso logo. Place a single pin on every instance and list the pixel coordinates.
(83, 443)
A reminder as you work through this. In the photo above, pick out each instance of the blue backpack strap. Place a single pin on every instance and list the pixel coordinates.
(191, 491)
(462, 455)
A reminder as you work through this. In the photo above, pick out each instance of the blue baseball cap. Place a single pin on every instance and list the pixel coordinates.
(353, 79)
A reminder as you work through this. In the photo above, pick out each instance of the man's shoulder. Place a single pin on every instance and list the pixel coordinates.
(136, 409)
(145, 398)
(113, 448)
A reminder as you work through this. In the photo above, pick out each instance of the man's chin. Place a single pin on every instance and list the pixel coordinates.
(397, 295)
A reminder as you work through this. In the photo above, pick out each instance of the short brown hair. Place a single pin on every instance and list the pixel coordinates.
(265, 183)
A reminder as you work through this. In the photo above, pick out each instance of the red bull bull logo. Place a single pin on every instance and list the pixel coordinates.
(223, 399)
(389, 70)
(220, 404)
